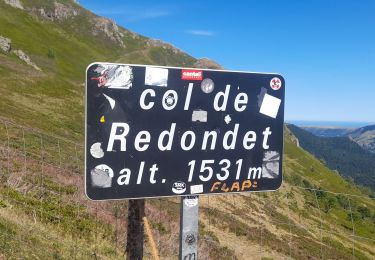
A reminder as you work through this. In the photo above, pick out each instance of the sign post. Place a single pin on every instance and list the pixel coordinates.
(135, 234)
(189, 228)
(154, 131)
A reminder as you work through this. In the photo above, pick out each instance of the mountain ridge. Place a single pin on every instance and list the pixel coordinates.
(43, 210)
(364, 136)
(62, 48)
(340, 153)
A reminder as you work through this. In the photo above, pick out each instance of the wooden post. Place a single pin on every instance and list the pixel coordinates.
(135, 235)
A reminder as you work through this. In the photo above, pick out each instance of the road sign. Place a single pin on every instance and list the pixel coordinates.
(155, 131)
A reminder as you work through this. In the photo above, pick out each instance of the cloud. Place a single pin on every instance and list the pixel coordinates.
(201, 32)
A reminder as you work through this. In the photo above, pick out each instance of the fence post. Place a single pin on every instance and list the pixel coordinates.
(135, 234)
(189, 228)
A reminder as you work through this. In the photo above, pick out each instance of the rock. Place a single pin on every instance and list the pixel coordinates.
(60, 12)
(164, 45)
(63, 12)
(206, 63)
(23, 56)
(5, 44)
(295, 140)
(134, 35)
(14, 3)
(109, 28)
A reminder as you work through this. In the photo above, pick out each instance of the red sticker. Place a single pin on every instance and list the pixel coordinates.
(191, 74)
(275, 83)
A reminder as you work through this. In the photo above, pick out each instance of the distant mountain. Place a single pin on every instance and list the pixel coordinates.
(341, 154)
(324, 131)
(364, 136)
(45, 46)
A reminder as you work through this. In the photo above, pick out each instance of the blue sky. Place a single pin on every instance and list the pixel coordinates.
(324, 49)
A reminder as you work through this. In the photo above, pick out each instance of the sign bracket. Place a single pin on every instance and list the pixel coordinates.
(189, 228)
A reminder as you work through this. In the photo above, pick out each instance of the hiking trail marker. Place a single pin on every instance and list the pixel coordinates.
(154, 131)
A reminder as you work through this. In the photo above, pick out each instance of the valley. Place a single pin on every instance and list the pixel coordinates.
(44, 213)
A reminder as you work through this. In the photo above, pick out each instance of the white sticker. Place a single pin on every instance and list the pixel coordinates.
(199, 116)
(207, 85)
(101, 176)
(156, 77)
(270, 167)
(191, 202)
(270, 106)
(179, 187)
(196, 189)
(96, 150)
(114, 76)
(275, 83)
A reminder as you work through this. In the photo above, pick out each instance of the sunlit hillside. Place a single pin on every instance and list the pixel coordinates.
(44, 213)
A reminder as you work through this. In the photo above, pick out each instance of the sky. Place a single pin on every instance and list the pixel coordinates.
(325, 49)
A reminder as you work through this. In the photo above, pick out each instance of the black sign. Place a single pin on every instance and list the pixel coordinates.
(162, 131)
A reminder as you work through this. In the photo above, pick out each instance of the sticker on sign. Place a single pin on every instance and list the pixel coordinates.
(191, 74)
(167, 131)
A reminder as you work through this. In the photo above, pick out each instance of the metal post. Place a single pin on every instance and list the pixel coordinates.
(135, 235)
(189, 228)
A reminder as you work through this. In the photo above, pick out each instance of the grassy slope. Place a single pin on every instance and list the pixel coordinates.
(54, 219)
(340, 153)
(52, 100)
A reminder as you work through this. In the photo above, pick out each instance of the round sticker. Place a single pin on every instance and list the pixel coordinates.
(179, 187)
(207, 85)
(104, 169)
(96, 150)
(275, 83)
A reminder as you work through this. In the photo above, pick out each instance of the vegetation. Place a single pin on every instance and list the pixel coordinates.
(43, 210)
(341, 154)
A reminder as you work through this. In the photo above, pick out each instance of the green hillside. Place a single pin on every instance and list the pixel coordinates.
(44, 213)
(341, 154)
(364, 136)
(62, 47)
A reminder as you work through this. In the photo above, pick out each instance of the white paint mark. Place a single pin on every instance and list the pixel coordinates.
(111, 101)
(227, 119)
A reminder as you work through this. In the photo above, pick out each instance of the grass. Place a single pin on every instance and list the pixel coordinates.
(43, 217)
(53, 100)
(62, 229)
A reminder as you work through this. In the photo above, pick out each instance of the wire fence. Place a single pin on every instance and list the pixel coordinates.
(44, 213)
